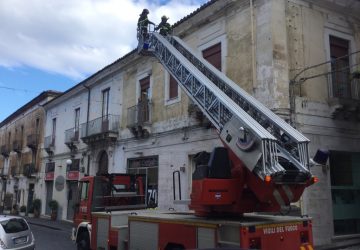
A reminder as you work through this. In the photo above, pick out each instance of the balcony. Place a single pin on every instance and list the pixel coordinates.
(344, 97)
(72, 138)
(32, 141)
(29, 170)
(17, 146)
(5, 150)
(101, 129)
(138, 117)
(49, 144)
(14, 170)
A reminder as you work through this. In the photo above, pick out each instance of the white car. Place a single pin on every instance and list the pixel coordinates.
(15, 233)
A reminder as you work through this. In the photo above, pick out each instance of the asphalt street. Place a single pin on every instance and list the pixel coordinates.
(54, 235)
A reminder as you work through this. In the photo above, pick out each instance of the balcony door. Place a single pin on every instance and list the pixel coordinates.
(105, 110)
(143, 104)
(340, 67)
(77, 124)
(53, 132)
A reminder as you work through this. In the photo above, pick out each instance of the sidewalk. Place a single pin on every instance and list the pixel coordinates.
(47, 222)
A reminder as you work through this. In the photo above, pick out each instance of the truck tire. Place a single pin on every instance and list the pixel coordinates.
(84, 241)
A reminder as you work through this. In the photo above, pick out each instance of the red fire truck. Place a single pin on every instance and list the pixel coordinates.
(263, 167)
(101, 195)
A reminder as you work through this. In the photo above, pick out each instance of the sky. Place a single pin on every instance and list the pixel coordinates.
(55, 44)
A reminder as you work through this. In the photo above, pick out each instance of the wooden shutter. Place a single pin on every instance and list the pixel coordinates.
(173, 88)
(213, 55)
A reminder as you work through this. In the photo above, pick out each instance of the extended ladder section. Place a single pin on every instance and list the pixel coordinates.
(264, 142)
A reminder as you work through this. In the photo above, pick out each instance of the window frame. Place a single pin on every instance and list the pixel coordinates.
(168, 100)
(342, 35)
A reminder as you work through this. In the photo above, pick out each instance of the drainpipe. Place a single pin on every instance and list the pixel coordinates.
(88, 108)
(87, 123)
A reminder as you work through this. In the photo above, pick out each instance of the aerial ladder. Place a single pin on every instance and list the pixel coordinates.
(264, 165)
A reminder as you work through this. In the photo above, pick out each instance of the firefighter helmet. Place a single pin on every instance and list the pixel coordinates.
(164, 17)
(146, 11)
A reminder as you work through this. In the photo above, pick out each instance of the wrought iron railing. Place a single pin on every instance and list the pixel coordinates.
(139, 114)
(32, 140)
(343, 76)
(5, 150)
(28, 169)
(49, 141)
(17, 145)
(71, 135)
(109, 123)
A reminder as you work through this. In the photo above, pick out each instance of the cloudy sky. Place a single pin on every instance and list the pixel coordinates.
(54, 44)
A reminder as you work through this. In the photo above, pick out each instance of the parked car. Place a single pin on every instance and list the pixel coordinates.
(15, 233)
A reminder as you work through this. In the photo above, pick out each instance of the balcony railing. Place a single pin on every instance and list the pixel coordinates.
(49, 144)
(71, 135)
(29, 169)
(14, 171)
(32, 141)
(17, 146)
(101, 125)
(5, 150)
(343, 84)
(139, 114)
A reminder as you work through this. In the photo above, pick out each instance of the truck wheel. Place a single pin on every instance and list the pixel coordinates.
(83, 242)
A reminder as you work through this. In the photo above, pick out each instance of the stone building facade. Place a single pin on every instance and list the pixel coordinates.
(297, 57)
(21, 141)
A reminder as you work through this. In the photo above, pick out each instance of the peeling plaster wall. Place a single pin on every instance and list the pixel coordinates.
(308, 27)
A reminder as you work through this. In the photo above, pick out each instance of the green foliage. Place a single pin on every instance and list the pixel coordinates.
(53, 204)
(37, 204)
(23, 209)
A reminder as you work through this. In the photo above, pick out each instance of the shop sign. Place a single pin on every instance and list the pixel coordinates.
(72, 175)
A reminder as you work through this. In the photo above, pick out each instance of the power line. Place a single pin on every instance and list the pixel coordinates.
(15, 89)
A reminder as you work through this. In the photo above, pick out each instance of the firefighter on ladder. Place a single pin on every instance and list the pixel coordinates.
(164, 26)
(143, 23)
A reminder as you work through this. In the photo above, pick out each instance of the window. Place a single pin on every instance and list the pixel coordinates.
(53, 131)
(340, 67)
(345, 191)
(14, 226)
(213, 55)
(173, 88)
(144, 89)
(143, 112)
(105, 104)
(74, 166)
(77, 123)
(84, 187)
(37, 126)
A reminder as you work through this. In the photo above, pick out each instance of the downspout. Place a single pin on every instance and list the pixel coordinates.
(87, 125)
(253, 46)
(88, 109)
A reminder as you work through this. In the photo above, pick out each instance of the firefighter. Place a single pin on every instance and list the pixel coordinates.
(164, 26)
(143, 23)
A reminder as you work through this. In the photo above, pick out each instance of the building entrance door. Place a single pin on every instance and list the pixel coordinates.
(30, 195)
(72, 189)
(49, 191)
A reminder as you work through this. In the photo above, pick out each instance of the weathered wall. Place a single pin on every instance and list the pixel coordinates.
(308, 29)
